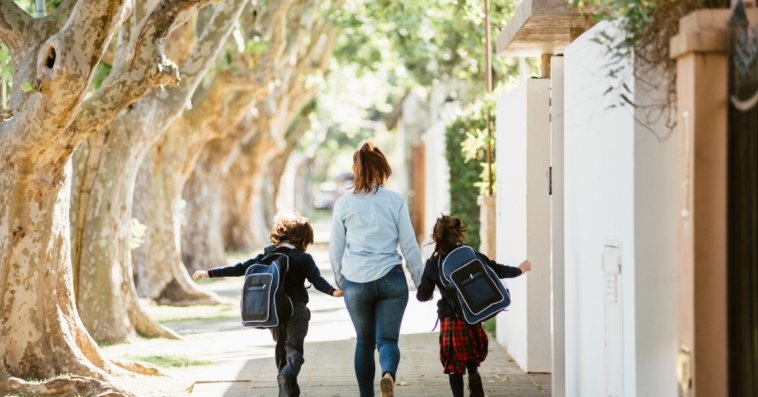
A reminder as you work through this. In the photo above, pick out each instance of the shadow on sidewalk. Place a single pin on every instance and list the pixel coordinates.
(328, 371)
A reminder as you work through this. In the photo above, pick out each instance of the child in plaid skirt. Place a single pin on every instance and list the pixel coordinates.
(462, 346)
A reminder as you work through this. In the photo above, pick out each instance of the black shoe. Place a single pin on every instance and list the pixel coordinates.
(285, 384)
(475, 385)
(295, 391)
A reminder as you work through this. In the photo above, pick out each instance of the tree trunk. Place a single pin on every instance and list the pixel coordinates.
(106, 289)
(158, 269)
(208, 196)
(236, 214)
(202, 244)
(106, 296)
(212, 117)
(246, 224)
(41, 334)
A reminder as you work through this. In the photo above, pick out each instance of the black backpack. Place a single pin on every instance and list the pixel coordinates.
(472, 289)
(264, 303)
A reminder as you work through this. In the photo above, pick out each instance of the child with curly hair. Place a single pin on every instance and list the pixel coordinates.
(291, 235)
(462, 345)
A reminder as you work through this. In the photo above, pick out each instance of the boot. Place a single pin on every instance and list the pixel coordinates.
(475, 385)
(285, 384)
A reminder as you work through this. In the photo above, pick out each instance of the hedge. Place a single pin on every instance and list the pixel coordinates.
(465, 175)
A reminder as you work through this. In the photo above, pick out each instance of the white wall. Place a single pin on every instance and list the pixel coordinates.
(437, 197)
(655, 235)
(599, 207)
(619, 189)
(557, 274)
(523, 221)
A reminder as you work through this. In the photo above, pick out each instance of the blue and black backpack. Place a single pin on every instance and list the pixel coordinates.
(473, 289)
(264, 303)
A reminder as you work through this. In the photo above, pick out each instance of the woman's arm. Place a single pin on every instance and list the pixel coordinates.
(409, 245)
(337, 244)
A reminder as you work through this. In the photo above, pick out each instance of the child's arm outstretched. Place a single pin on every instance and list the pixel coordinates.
(503, 271)
(228, 271)
(314, 277)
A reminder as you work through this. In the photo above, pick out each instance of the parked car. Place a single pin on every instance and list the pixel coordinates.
(325, 196)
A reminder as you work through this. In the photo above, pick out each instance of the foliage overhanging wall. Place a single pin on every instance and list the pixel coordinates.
(467, 175)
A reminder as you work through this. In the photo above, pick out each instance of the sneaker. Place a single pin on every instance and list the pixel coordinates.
(387, 385)
(475, 385)
(285, 384)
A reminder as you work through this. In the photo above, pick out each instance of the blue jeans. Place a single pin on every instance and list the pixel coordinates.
(376, 309)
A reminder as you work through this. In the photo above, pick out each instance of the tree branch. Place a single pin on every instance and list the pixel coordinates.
(278, 40)
(133, 78)
(13, 20)
(65, 64)
(202, 57)
(167, 15)
(63, 12)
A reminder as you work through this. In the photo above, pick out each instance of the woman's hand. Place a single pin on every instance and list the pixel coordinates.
(200, 274)
(337, 293)
(525, 266)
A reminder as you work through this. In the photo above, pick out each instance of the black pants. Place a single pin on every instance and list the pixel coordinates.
(290, 338)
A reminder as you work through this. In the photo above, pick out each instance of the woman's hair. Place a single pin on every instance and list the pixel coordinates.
(447, 234)
(291, 227)
(371, 168)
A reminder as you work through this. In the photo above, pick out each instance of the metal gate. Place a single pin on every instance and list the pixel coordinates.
(742, 206)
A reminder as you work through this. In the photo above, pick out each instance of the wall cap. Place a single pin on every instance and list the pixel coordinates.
(487, 201)
(704, 31)
(538, 27)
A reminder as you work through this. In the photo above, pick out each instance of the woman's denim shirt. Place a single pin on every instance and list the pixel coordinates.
(366, 232)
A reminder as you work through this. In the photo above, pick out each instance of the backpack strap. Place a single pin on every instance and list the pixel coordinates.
(439, 270)
(289, 253)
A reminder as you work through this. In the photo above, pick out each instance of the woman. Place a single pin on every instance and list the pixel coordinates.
(368, 224)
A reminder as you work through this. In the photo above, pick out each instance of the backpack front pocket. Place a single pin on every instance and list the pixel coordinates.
(476, 287)
(256, 297)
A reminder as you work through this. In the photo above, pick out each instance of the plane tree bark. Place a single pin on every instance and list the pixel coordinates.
(105, 292)
(253, 177)
(159, 270)
(201, 242)
(41, 334)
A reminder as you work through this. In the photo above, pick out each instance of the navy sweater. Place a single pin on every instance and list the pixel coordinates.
(431, 278)
(302, 267)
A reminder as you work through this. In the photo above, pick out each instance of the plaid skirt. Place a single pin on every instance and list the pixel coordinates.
(461, 342)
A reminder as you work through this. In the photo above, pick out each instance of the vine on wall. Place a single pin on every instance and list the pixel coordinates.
(647, 27)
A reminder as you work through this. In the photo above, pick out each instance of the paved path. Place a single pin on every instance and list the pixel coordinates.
(244, 363)
(328, 371)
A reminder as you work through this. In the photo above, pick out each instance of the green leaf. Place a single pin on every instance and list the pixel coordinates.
(624, 97)
(138, 231)
(27, 86)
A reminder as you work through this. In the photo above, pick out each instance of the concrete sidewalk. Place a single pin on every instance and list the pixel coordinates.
(328, 371)
(244, 357)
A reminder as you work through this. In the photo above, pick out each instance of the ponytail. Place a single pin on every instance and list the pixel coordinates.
(371, 168)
